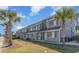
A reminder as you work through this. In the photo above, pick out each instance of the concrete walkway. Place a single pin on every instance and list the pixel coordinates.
(72, 43)
(1, 43)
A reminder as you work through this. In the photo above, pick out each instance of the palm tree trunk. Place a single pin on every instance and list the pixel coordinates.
(71, 29)
(63, 30)
(10, 35)
(77, 25)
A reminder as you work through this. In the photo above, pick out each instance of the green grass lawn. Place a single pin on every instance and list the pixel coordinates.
(20, 46)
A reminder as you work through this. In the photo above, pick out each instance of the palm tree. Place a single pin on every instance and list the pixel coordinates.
(8, 17)
(72, 16)
(77, 25)
(62, 15)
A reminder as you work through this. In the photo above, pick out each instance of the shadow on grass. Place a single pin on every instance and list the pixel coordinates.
(58, 47)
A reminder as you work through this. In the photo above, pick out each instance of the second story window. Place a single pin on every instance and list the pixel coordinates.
(30, 28)
(24, 30)
(51, 23)
(34, 28)
(38, 27)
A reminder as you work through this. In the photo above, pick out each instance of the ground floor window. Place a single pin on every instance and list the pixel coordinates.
(42, 36)
(51, 34)
(31, 35)
(39, 36)
(34, 36)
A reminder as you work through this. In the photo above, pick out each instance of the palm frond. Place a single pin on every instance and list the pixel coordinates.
(12, 15)
(3, 13)
(17, 20)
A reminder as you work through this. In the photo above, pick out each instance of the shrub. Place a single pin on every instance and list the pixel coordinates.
(28, 39)
(15, 37)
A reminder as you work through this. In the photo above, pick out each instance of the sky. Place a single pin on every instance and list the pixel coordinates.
(31, 14)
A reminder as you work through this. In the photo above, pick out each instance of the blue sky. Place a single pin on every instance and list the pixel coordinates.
(31, 14)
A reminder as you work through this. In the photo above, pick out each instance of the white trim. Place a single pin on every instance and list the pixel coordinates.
(49, 19)
(53, 30)
(53, 34)
(59, 37)
(45, 35)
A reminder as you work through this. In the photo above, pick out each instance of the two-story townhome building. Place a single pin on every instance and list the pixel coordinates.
(47, 30)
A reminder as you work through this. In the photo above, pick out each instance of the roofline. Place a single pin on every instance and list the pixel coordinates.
(43, 30)
(37, 22)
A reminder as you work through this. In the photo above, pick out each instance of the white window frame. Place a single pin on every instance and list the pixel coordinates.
(39, 36)
(54, 23)
(52, 36)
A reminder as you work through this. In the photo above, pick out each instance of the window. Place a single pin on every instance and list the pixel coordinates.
(24, 30)
(34, 27)
(51, 23)
(55, 22)
(30, 28)
(51, 34)
(31, 34)
(38, 27)
(39, 36)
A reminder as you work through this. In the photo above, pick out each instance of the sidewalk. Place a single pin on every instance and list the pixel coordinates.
(1, 42)
(73, 43)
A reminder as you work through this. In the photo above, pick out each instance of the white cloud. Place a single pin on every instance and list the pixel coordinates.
(4, 7)
(55, 8)
(21, 15)
(18, 27)
(35, 10)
